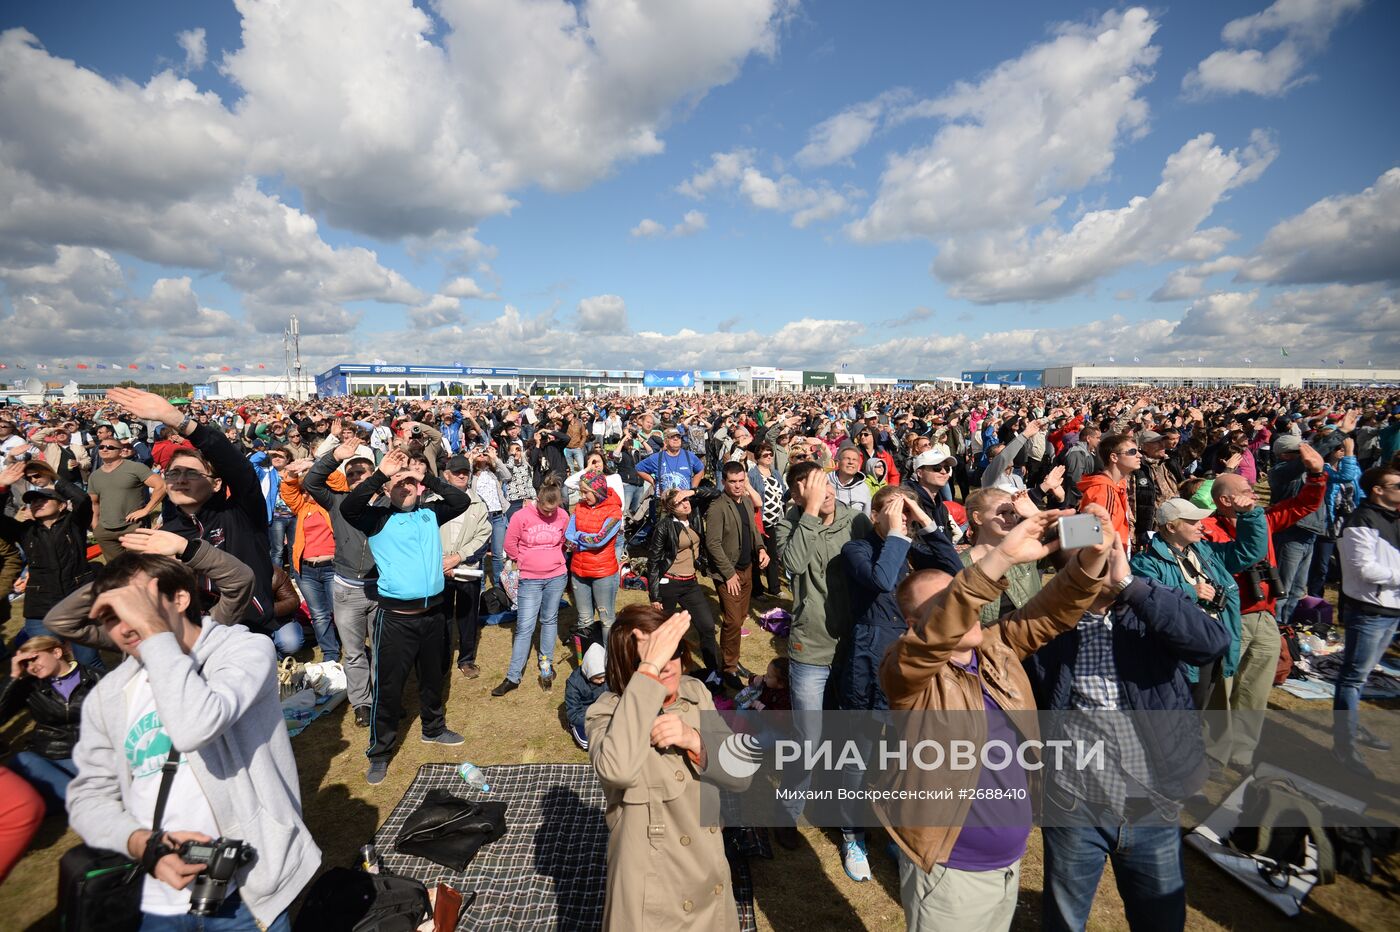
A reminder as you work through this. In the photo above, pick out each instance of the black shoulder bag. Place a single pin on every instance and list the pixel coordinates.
(99, 890)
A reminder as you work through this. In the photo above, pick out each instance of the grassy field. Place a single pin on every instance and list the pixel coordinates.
(801, 890)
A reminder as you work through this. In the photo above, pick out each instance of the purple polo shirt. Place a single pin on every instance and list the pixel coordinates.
(994, 833)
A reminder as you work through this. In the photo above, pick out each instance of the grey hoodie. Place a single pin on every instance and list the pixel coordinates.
(220, 707)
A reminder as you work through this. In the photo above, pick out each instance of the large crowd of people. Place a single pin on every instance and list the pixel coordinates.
(910, 536)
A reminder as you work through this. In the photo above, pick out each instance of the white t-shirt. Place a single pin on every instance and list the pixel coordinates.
(187, 809)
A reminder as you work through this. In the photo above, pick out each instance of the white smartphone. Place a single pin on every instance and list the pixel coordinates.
(1080, 531)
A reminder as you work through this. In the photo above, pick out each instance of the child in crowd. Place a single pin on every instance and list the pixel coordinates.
(583, 687)
(768, 692)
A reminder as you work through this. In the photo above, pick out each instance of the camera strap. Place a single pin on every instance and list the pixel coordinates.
(156, 848)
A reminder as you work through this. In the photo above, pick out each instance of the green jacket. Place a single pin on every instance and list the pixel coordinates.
(1023, 582)
(1220, 561)
(811, 556)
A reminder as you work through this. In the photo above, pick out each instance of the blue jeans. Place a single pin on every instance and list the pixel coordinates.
(233, 916)
(599, 593)
(1147, 867)
(631, 495)
(288, 639)
(315, 582)
(573, 457)
(499, 524)
(1294, 549)
(1321, 560)
(1366, 639)
(807, 684)
(87, 656)
(50, 777)
(536, 602)
(281, 531)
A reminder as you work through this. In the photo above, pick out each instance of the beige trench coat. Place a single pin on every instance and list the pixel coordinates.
(665, 869)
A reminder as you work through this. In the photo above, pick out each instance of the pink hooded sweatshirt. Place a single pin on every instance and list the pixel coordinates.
(537, 544)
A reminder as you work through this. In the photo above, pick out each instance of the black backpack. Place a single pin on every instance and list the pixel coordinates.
(344, 900)
(1276, 822)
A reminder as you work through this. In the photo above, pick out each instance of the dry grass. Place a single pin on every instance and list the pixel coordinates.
(800, 891)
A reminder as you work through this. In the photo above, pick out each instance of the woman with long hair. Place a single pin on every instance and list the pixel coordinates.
(45, 679)
(535, 541)
(991, 514)
(665, 869)
(677, 560)
(865, 442)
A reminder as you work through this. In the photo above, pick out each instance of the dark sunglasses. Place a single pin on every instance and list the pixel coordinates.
(108, 447)
(1131, 451)
(944, 466)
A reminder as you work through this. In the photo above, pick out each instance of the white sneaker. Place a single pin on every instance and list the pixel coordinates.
(854, 860)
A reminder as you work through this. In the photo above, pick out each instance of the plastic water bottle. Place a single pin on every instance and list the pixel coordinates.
(474, 777)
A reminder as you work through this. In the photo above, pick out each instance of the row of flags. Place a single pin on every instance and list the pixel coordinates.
(167, 368)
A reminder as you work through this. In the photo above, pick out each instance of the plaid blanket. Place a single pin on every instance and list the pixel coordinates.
(550, 870)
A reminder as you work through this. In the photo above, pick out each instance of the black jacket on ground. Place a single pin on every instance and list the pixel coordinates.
(56, 720)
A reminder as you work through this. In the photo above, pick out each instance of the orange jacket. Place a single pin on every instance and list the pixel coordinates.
(303, 505)
(595, 564)
(1099, 489)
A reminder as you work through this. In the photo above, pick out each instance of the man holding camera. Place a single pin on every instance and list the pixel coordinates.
(206, 695)
(1260, 590)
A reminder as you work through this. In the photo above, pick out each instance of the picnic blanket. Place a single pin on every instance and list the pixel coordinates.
(550, 869)
(1323, 669)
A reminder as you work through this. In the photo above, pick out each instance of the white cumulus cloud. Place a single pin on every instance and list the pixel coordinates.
(1350, 238)
(1303, 27)
(1012, 144)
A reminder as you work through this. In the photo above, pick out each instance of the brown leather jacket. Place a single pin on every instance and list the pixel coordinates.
(917, 677)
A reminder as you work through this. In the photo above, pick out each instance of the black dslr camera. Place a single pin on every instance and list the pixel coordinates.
(1254, 579)
(223, 857)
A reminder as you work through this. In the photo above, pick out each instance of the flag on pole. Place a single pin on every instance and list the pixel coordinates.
(181, 365)
(1248, 360)
(165, 367)
(1282, 351)
(133, 366)
(150, 367)
(3, 366)
(1111, 359)
(1137, 359)
(19, 365)
(102, 365)
(40, 366)
(82, 365)
(262, 365)
(1323, 361)
(1341, 362)
(1200, 359)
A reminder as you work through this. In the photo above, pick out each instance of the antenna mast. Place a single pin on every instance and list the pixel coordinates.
(291, 350)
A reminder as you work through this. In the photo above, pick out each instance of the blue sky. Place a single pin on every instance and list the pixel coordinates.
(545, 183)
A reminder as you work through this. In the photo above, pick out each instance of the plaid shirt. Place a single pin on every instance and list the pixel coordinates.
(1096, 689)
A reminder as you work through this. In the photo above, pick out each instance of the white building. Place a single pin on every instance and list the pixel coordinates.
(1206, 376)
(224, 385)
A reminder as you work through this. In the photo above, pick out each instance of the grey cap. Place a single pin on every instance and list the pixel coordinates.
(1287, 443)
